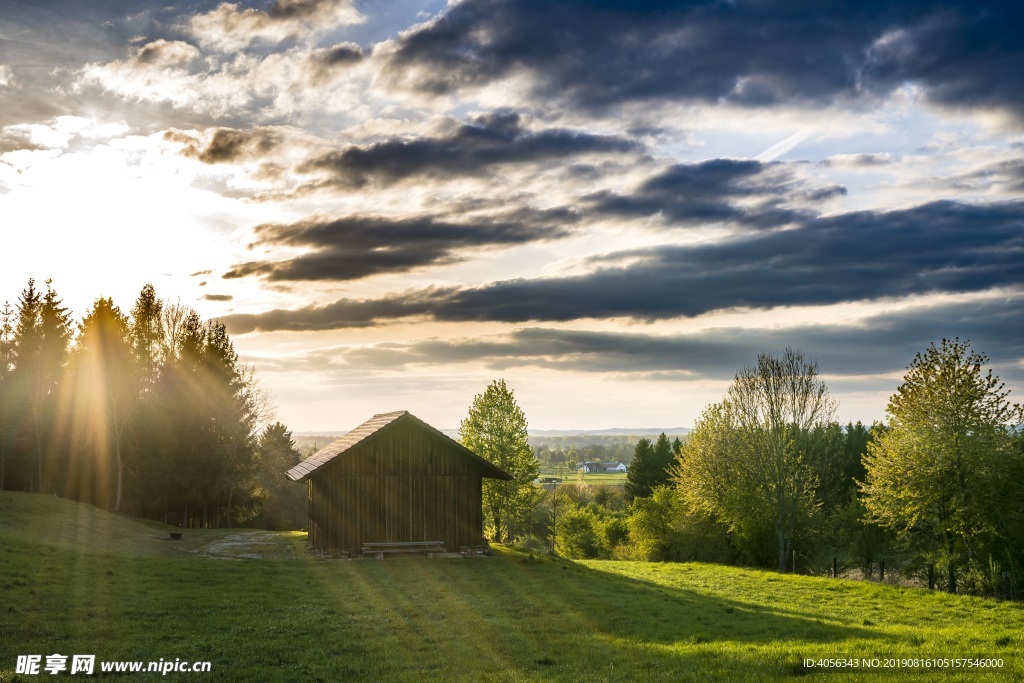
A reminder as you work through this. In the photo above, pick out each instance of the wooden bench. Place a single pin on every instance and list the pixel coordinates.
(380, 550)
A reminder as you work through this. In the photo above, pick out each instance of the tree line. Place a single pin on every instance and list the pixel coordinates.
(150, 413)
(769, 478)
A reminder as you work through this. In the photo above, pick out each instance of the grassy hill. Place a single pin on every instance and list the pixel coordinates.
(76, 580)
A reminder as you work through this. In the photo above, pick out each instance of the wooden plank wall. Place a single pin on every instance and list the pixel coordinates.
(404, 484)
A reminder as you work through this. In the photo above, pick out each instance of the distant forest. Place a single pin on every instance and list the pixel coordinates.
(149, 412)
(551, 451)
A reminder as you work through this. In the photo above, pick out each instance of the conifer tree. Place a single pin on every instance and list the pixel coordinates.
(107, 381)
(41, 341)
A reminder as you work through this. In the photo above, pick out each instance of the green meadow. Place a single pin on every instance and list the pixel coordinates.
(259, 607)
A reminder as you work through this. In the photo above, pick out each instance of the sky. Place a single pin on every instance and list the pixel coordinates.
(614, 206)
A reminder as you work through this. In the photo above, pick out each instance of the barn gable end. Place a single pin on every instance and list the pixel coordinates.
(394, 479)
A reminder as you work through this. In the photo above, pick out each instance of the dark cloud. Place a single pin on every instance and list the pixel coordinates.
(165, 53)
(937, 247)
(355, 247)
(881, 344)
(217, 297)
(323, 64)
(467, 151)
(742, 191)
(1004, 176)
(344, 313)
(964, 54)
(863, 160)
(301, 9)
(228, 144)
(603, 53)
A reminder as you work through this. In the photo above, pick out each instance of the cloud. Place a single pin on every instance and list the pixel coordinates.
(938, 247)
(217, 297)
(238, 87)
(467, 150)
(7, 79)
(862, 160)
(228, 144)
(325, 63)
(161, 54)
(356, 247)
(157, 71)
(598, 55)
(1004, 177)
(742, 191)
(343, 313)
(868, 351)
(961, 55)
(229, 27)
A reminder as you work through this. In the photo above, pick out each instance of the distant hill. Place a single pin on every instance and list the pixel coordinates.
(326, 437)
(615, 431)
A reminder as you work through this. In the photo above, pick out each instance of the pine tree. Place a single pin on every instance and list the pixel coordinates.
(107, 380)
(6, 386)
(147, 332)
(642, 471)
(283, 502)
(41, 341)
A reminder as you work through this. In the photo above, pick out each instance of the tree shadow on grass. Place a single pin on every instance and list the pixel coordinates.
(631, 608)
(513, 617)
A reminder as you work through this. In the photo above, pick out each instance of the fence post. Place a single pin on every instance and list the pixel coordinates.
(881, 569)
(834, 574)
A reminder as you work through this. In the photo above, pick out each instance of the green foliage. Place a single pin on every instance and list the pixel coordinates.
(652, 522)
(649, 467)
(7, 404)
(587, 531)
(758, 458)
(495, 429)
(39, 349)
(152, 414)
(943, 474)
(105, 378)
(608, 497)
(576, 535)
(282, 502)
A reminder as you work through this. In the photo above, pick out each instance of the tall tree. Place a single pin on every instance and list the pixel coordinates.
(496, 430)
(147, 332)
(935, 474)
(758, 455)
(42, 338)
(283, 503)
(6, 386)
(649, 468)
(107, 377)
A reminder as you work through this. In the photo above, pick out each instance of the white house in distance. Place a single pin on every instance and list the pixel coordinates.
(592, 467)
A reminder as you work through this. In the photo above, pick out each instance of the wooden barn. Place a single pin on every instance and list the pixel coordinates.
(394, 479)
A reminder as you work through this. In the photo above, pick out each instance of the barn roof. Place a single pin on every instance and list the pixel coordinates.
(367, 431)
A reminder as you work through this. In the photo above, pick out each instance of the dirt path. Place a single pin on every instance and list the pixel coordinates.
(249, 545)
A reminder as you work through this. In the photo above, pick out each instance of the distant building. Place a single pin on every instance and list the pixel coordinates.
(592, 467)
